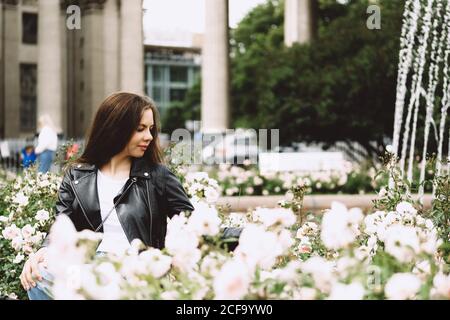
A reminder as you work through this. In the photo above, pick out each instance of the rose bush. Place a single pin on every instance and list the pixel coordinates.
(385, 255)
(398, 251)
(248, 180)
(26, 214)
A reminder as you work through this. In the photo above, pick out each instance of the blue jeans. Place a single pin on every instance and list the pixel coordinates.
(45, 160)
(42, 291)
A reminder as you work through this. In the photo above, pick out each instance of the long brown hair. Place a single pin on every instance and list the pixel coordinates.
(116, 120)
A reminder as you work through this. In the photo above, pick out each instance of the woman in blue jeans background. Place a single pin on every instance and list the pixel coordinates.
(45, 160)
(47, 143)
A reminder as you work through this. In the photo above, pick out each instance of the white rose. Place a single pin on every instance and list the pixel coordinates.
(181, 242)
(257, 181)
(286, 240)
(170, 295)
(13, 296)
(157, 263)
(20, 199)
(198, 176)
(186, 261)
(211, 195)
(402, 242)
(42, 215)
(258, 247)
(195, 187)
(321, 270)
(305, 294)
(340, 226)
(271, 217)
(204, 220)
(11, 232)
(402, 286)
(405, 208)
(44, 183)
(232, 282)
(17, 243)
(441, 285)
(229, 192)
(19, 258)
(211, 263)
(27, 231)
(353, 291)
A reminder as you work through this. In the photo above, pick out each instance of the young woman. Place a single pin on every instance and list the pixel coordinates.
(47, 143)
(118, 186)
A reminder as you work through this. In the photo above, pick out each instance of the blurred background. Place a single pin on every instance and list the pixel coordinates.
(314, 69)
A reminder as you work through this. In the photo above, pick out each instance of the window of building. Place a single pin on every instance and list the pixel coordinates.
(158, 73)
(157, 94)
(29, 28)
(177, 94)
(28, 97)
(168, 77)
(179, 74)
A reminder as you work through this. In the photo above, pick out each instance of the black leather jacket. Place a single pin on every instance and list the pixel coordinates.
(150, 195)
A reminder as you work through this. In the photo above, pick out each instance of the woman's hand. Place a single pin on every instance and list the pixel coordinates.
(30, 273)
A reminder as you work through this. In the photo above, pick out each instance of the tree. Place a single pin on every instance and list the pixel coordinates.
(188, 109)
(341, 87)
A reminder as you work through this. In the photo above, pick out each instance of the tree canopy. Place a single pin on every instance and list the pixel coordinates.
(339, 87)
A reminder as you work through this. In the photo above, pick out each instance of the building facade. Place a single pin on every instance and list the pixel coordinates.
(51, 65)
(170, 72)
(48, 66)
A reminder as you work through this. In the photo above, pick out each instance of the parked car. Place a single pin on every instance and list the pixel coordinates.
(232, 148)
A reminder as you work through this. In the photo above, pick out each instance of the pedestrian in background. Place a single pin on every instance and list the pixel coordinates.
(47, 143)
(28, 156)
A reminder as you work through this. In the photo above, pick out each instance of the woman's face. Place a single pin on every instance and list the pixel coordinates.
(142, 137)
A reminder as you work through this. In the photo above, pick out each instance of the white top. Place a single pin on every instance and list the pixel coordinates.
(114, 238)
(47, 140)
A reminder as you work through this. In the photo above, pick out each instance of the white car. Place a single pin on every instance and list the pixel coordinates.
(232, 148)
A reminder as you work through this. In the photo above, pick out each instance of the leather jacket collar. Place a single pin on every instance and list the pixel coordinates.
(140, 167)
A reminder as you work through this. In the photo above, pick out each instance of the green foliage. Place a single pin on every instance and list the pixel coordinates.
(179, 112)
(340, 87)
(440, 212)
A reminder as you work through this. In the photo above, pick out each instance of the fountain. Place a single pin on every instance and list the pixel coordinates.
(423, 65)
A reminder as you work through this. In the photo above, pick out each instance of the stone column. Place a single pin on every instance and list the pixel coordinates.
(11, 71)
(215, 68)
(93, 53)
(111, 46)
(49, 79)
(299, 21)
(131, 46)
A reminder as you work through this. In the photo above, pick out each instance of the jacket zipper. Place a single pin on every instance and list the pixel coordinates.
(84, 211)
(151, 215)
